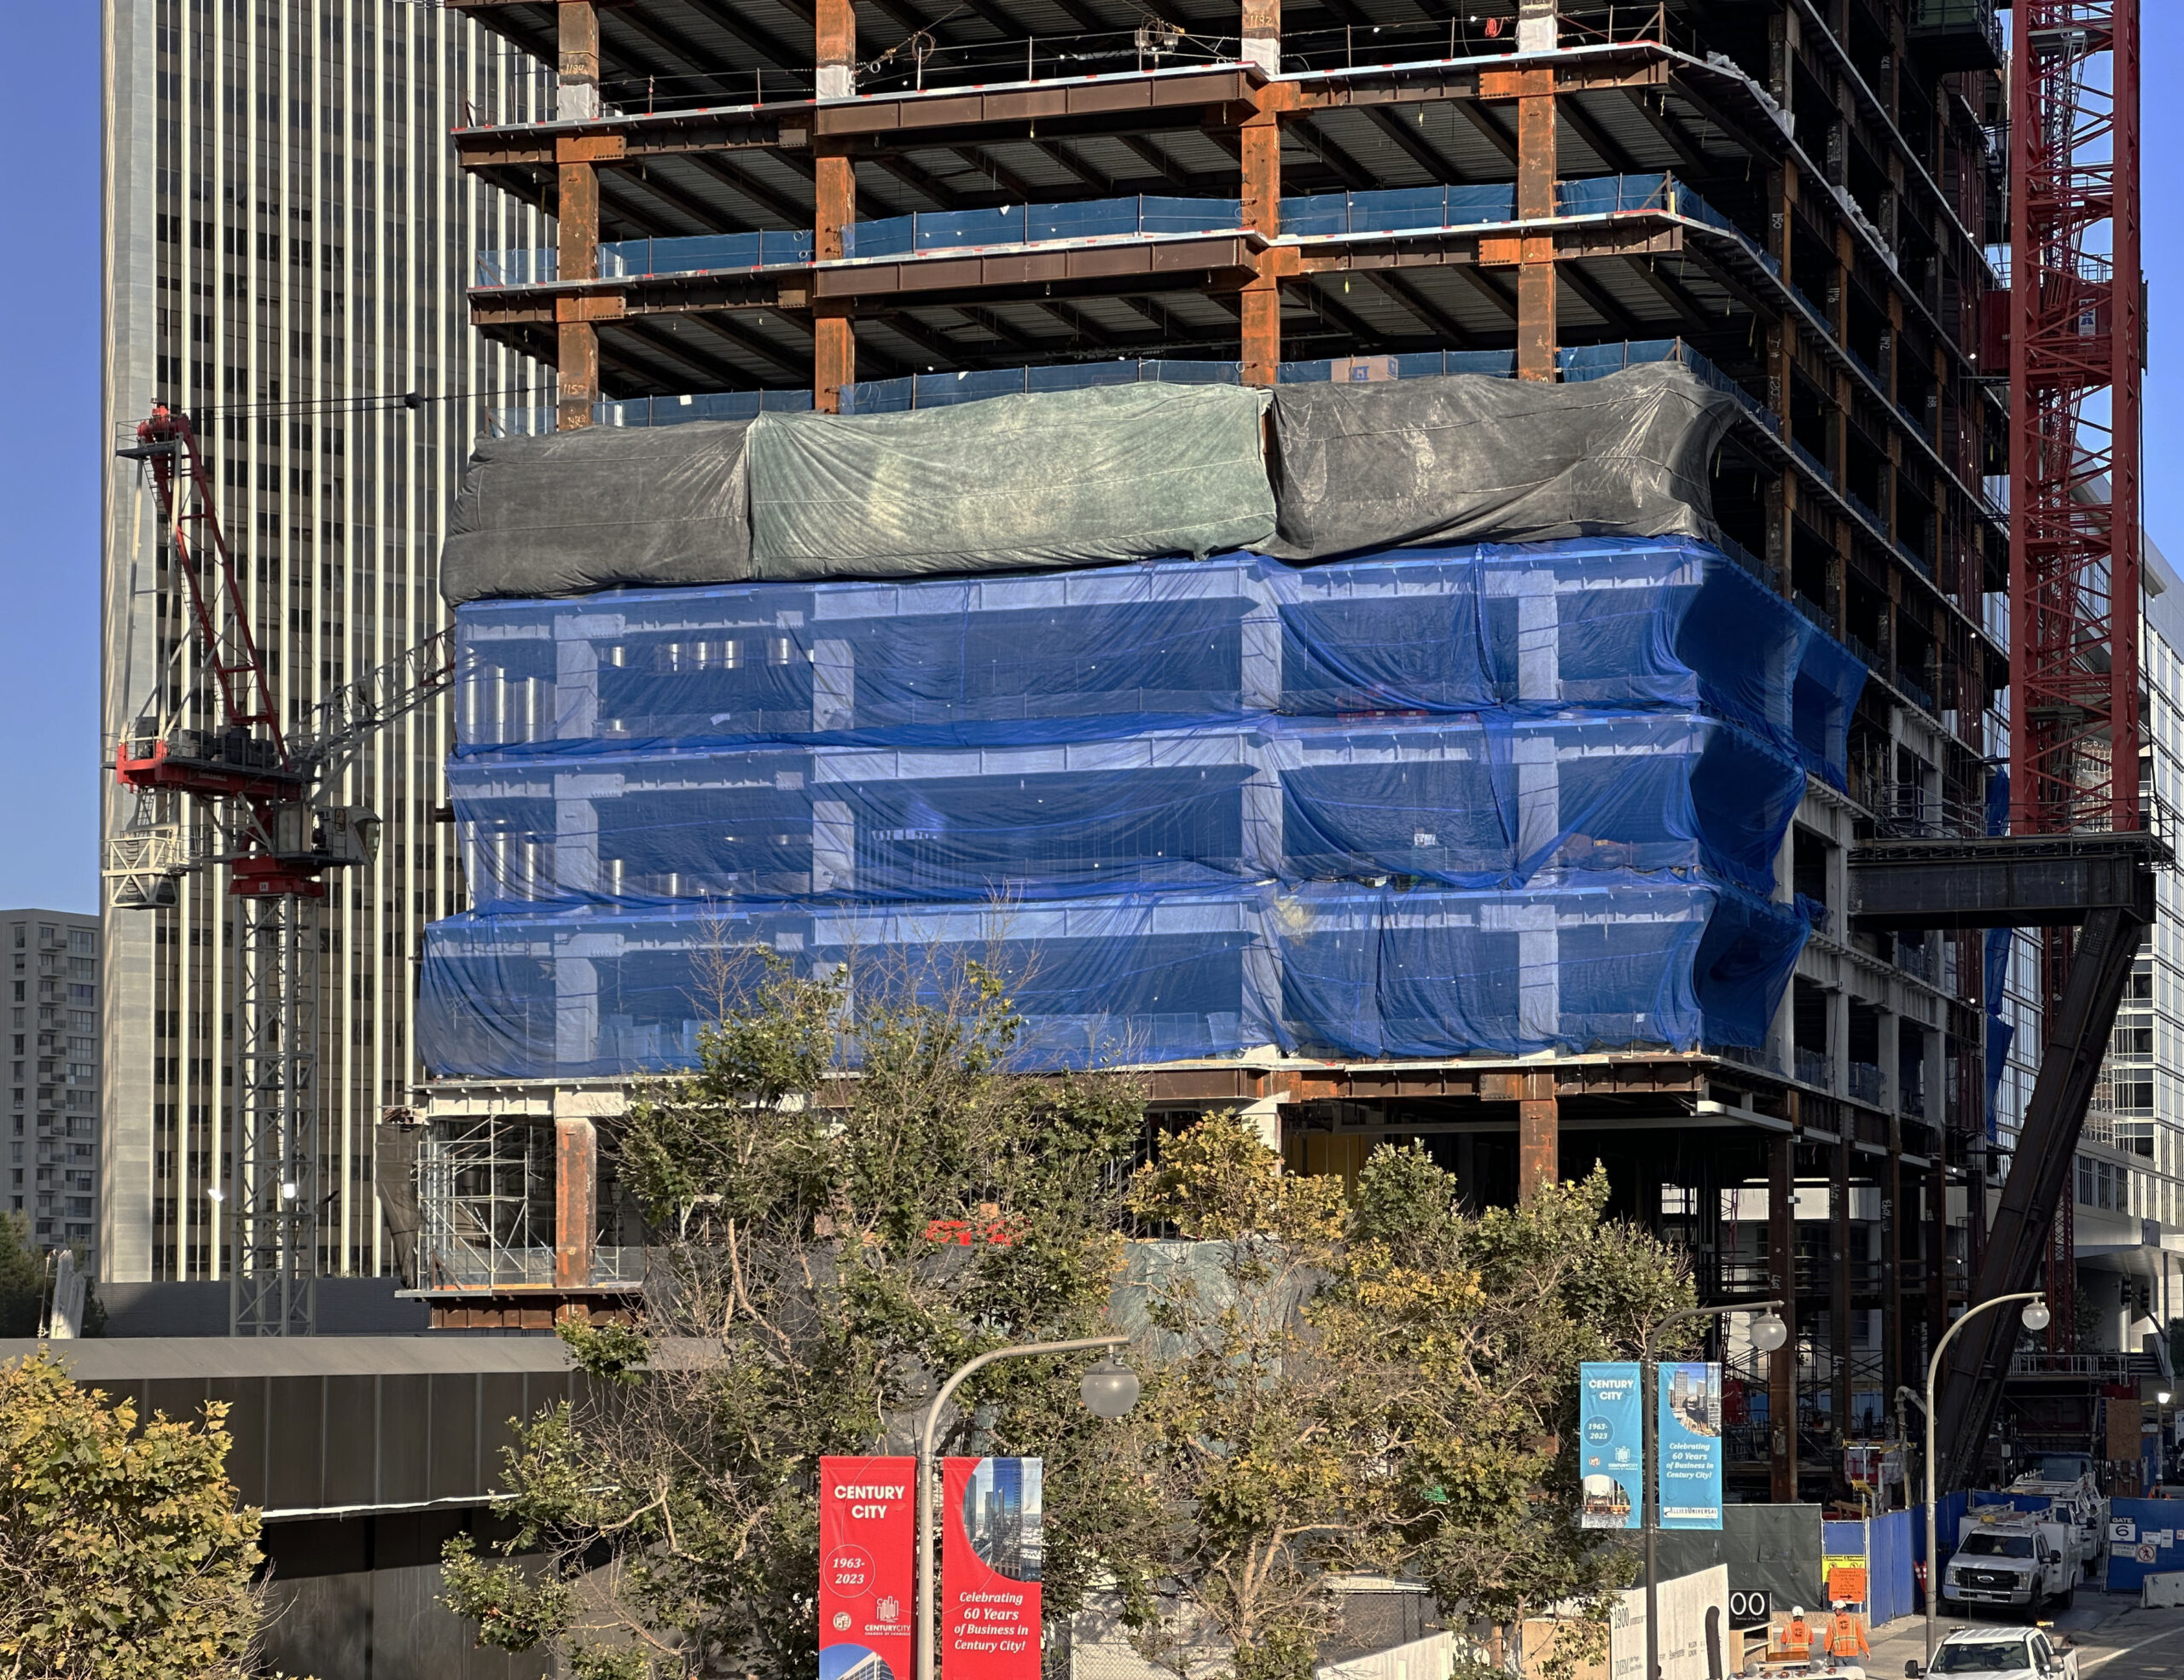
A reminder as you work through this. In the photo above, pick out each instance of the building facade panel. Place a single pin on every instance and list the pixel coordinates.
(285, 244)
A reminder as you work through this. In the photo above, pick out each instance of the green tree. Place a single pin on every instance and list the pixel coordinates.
(24, 1281)
(123, 1555)
(1383, 1382)
(850, 1202)
(22, 1278)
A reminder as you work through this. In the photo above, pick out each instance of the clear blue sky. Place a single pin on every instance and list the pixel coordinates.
(51, 454)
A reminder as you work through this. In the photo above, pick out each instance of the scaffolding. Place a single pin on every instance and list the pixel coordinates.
(488, 1195)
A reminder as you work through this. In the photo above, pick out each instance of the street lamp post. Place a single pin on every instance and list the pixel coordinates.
(1109, 1390)
(2036, 1318)
(1767, 1333)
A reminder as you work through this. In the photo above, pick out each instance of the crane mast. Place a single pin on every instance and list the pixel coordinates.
(247, 795)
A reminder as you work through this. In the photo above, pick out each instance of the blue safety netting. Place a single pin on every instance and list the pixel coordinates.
(1479, 800)
(1433, 803)
(1117, 650)
(1581, 964)
(1337, 969)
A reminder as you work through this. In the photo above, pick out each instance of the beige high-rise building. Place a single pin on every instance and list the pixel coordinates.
(286, 249)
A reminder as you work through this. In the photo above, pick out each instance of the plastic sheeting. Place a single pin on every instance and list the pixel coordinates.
(1534, 628)
(1337, 969)
(1087, 477)
(571, 511)
(1464, 458)
(1476, 801)
(1078, 478)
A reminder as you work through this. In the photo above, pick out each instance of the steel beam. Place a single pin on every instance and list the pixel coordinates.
(2021, 880)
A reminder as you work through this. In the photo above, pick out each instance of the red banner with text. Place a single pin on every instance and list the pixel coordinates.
(990, 1553)
(868, 1579)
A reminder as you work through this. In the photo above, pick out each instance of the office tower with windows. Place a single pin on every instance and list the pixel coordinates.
(287, 240)
(51, 960)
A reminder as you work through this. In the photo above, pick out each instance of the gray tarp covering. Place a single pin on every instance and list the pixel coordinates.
(1114, 473)
(1469, 459)
(576, 511)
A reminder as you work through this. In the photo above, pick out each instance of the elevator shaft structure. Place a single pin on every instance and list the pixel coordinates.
(258, 800)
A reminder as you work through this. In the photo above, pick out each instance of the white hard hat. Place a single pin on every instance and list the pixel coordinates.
(1797, 1609)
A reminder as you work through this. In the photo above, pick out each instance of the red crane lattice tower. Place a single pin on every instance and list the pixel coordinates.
(2077, 334)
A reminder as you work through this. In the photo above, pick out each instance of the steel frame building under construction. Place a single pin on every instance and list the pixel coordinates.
(1806, 199)
(784, 204)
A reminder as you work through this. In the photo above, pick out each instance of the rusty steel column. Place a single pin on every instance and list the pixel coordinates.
(576, 1202)
(1782, 1274)
(1539, 1136)
(1262, 33)
(834, 339)
(576, 99)
(1259, 143)
(1537, 338)
(576, 217)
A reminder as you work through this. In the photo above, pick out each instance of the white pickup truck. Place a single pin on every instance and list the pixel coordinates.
(1999, 1653)
(2011, 1559)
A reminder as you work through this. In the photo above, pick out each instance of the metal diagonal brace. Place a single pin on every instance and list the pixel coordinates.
(2077, 1039)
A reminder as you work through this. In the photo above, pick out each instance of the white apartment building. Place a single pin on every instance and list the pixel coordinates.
(50, 962)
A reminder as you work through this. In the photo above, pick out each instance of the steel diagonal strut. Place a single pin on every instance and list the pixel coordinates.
(2075, 1041)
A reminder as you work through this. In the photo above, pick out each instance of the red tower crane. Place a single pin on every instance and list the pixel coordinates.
(249, 795)
(2078, 813)
(2077, 343)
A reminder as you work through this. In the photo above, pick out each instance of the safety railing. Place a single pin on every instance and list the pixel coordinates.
(1465, 34)
(1316, 215)
(923, 62)
(933, 391)
(941, 390)
(1039, 224)
(1865, 1083)
(531, 422)
(1413, 209)
(2096, 1367)
(1814, 1068)
(629, 258)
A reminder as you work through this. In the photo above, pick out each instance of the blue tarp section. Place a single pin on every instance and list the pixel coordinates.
(1949, 1512)
(1497, 800)
(1478, 800)
(1117, 650)
(1886, 1544)
(1337, 968)
(1890, 1589)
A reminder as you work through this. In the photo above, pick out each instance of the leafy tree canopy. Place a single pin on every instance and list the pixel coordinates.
(1336, 1379)
(123, 1555)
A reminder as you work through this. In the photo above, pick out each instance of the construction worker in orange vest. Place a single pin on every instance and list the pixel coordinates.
(1847, 1634)
(1797, 1636)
